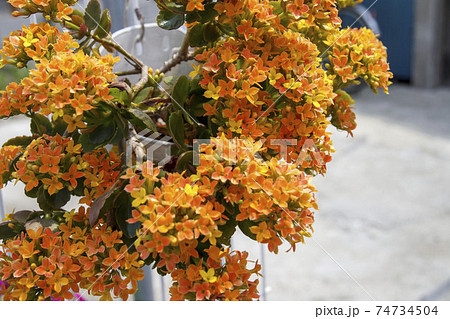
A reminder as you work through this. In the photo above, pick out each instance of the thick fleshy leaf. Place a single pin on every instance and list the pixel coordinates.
(143, 118)
(104, 26)
(142, 95)
(92, 14)
(196, 36)
(98, 204)
(19, 141)
(123, 210)
(169, 20)
(180, 91)
(211, 33)
(7, 232)
(40, 124)
(176, 128)
(184, 160)
(22, 216)
(245, 225)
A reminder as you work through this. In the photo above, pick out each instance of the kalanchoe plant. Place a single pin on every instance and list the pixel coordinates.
(268, 79)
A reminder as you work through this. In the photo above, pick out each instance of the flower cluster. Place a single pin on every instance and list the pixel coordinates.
(54, 163)
(273, 197)
(357, 53)
(51, 9)
(220, 276)
(180, 216)
(175, 214)
(7, 154)
(35, 42)
(265, 98)
(66, 86)
(41, 265)
(341, 112)
(267, 82)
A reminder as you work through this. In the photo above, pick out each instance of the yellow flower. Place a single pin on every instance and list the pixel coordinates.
(235, 126)
(213, 92)
(208, 276)
(29, 40)
(196, 71)
(191, 191)
(140, 197)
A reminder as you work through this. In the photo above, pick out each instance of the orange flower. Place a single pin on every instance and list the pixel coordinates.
(72, 175)
(54, 185)
(49, 164)
(195, 5)
(247, 92)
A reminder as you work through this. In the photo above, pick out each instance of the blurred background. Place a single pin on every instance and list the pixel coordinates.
(382, 229)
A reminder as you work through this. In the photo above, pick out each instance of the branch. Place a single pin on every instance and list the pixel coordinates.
(156, 100)
(181, 56)
(142, 81)
(129, 72)
(138, 63)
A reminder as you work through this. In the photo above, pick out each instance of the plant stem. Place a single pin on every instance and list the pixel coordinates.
(138, 63)
(182, 55)
(129, 72)
(142, 81)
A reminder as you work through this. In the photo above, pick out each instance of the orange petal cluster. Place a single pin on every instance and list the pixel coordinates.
(54, 10)
(357, 53)
(34, 43)
(41, 265)
(54, 163)
(65, 86)
(7, 154)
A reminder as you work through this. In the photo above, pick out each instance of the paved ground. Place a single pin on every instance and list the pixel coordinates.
(382, 231)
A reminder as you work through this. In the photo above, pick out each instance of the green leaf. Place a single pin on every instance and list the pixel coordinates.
(177, 7)
(123, 210)
(86, 143)
(104, 27)
(211, 33)
(142, 95)
(77, 12)
(6, 232)
(176, 128)
(92, 14)
(184, 159)
(102, 134)
(180, 91)
(98, 204)
(59, 127)
(196, 36)
(143, 118)
(61, 198)
(19, 141)
(33, 192)
(49, 202)
(44, 200)
(169, 20)
(22, 216)
(115, 92)
(245, 225)
(228, 229)
(40, 124)
(207, 15)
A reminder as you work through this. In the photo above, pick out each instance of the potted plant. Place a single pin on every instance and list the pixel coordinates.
(260, 94)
